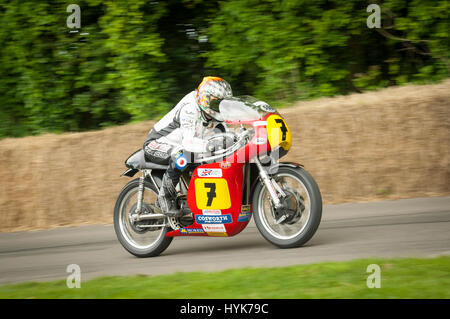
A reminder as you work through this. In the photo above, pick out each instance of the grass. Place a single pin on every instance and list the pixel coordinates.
(400, 278)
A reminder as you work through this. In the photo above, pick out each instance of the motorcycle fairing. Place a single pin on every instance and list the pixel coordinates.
(215, 199)
(215, 190)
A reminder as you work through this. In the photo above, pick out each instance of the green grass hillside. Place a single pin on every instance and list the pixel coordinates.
(400, 278)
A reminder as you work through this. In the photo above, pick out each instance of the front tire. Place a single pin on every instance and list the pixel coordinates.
(141, 242)
(303, 202)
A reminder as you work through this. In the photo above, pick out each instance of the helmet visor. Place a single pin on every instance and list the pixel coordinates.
(214, 104)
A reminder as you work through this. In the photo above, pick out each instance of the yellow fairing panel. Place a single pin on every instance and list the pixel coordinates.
(212, 193)
(278, 132)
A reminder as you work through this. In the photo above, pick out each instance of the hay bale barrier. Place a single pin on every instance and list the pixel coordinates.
(387, 144)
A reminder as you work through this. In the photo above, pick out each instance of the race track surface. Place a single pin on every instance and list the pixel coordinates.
(417, 227)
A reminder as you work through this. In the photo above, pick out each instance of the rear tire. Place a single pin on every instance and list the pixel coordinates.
(311, 197)
(124, 235)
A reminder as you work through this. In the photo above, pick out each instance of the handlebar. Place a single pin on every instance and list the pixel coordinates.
(240, 140)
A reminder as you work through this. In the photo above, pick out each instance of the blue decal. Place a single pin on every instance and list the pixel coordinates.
(244, 217)
(187, 231)
(181, 162)
(213, 219)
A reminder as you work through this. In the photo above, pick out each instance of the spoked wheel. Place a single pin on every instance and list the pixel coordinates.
(142, 238)
(297, 220)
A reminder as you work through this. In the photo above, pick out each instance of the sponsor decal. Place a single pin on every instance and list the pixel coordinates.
(188, 231)
(159, 146)
(153, 144)
(187, 122)
(209, 172)
(187, 111)
(159, 154)
(260, 140)
(245, 214)
(264, 106)
(217, 234)
(213, 219)
(212, 212)
(225, 165)
(214, 228)
(244, 217)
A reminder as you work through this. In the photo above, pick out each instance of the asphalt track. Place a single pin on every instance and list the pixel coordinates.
(417, 227)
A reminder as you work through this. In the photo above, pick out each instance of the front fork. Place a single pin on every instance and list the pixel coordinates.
(140, 195)
(273, 188)
(138, 216)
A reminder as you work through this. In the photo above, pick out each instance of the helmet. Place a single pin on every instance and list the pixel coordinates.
(209, 94)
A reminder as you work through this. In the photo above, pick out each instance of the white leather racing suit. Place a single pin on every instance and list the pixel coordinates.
(180, 130)
(179, 137)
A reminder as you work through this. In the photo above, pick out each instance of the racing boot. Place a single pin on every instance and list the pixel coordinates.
(166, 198)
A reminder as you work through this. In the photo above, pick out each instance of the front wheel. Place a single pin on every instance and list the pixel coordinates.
(140, 238)
(298, 219)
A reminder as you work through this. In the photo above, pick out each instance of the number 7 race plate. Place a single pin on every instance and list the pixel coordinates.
(212, 193)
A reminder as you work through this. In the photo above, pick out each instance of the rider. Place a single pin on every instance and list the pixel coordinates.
(181, 131)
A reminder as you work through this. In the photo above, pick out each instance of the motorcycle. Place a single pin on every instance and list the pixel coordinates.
(240, 178)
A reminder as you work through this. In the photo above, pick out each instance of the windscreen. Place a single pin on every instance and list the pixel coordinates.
(244, 108)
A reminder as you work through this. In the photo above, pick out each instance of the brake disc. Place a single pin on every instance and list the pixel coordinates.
(292, 207)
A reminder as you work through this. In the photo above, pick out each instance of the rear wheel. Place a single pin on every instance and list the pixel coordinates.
(135, 236)
(298, 219)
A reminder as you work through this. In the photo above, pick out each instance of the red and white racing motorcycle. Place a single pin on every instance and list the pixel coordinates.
(220, 194)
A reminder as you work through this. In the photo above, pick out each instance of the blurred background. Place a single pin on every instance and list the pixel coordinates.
(368, 107)
(133, 60)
